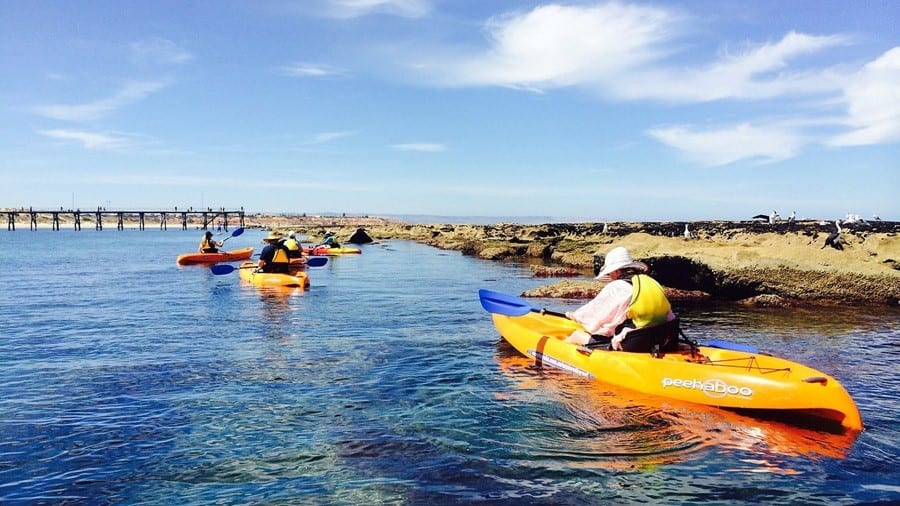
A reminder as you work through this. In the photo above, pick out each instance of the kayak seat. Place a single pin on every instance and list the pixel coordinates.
(656, 339)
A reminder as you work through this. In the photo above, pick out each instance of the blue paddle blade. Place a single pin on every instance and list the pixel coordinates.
(500, 303)
(316, 261)
(725, 345)
(237, 232)
(219, 269)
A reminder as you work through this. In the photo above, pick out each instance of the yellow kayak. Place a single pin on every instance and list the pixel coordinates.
(725, 378)
(331, 251)
(248, 271)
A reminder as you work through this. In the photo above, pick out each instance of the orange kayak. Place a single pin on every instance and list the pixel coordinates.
(213, 258)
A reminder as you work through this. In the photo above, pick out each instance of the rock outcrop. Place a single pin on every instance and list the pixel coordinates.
(759, 263)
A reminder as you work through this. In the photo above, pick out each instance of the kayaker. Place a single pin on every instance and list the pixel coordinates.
(329, 241)
(208, 244)
(274, 256)
(293, 246)
(630, 300)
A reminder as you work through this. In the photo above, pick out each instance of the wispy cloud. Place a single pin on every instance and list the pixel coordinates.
(624, 51)
(714, 147)
(306, 69)
(426, 147)
(324, 137)
(873, 103)
(759, 72)
(345, 9)
(159, 51)
(129, 94)
(636, 53)
(91, 140)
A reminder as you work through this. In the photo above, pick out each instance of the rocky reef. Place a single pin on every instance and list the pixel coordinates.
(749, 261)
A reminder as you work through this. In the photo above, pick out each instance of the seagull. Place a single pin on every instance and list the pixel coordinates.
(605, 228)
(792, 218)
(687, 232)
(774, 217)
(834, 238)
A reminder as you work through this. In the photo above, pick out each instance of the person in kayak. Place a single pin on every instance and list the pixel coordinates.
(631, 300)
(329, 241)
(208, 244)
(274, 256)
(293, 246)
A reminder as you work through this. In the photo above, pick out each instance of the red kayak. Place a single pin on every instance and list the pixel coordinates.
(212, 258)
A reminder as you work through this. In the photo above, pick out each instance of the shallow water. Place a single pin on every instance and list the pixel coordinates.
(127, 379)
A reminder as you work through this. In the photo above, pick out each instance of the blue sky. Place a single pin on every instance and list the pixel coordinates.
(581, 110)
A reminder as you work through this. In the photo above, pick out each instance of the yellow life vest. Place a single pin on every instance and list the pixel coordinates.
(292, 244)
(280, 257)
(204, 245)
(649, 305)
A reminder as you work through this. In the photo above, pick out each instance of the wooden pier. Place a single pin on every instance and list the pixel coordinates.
(203, 219)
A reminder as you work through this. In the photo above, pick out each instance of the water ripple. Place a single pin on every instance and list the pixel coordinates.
(385, 383)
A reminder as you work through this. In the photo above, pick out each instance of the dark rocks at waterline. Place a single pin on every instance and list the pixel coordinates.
(360, 237)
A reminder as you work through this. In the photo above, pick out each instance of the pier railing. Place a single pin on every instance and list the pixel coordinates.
(201, 218)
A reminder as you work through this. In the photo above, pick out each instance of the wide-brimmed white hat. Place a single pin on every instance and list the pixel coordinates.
(618, 258)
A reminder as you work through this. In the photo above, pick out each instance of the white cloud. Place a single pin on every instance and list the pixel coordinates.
(556, 45)
(356, 8)
(129, 94)
(627, 51)
(324, 137)
(304, 69)
(873, 102)
(729, 145)
(426, 147)
(89, 140)
(159, 51)
(761, 72)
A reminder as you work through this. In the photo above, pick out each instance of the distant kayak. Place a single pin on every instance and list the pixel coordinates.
(248, 271)
(329, 251)
(213, 258)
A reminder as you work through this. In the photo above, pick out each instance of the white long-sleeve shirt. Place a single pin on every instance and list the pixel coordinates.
(607, 310)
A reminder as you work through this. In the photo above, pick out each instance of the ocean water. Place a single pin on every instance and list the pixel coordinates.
(125, 379)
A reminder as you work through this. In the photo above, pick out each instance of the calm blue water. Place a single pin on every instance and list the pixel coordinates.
(125, 379)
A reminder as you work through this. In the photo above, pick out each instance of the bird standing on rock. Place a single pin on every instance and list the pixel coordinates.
(834, 238)
(687, 232)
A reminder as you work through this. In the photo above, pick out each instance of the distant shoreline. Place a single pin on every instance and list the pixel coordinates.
(777, 264)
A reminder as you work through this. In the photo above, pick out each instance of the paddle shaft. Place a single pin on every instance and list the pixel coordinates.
(551, 313)
(238, 231)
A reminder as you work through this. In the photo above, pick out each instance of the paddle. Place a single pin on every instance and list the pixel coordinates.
(219, 269)
(508, 305)
(725, 345)
(237, 232)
